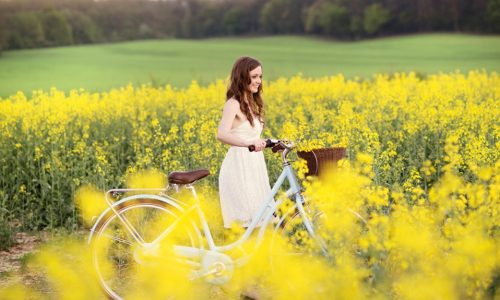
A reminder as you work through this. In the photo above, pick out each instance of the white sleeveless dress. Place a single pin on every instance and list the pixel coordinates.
(243, 179)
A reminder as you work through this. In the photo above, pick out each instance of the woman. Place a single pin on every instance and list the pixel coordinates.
(243, 179)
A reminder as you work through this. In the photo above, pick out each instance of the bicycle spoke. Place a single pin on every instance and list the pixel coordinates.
(120, 240)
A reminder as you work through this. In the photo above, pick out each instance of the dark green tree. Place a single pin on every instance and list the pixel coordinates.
(374, 17)
(201, 19)
(403, 16)
(312, 13)
(56, 28)
(3, 37)
(25, 30)
(236, 21)
(281, 16)
(328, 18)
(493, 15)
(84, 29)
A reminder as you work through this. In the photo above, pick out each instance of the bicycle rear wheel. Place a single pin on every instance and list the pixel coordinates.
(121, 261)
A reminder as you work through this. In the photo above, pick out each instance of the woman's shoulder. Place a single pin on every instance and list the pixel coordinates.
(233, 102)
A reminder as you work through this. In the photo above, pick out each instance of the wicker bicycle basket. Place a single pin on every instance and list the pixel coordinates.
(319, 160)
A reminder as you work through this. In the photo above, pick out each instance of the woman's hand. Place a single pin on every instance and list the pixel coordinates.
(259, 144)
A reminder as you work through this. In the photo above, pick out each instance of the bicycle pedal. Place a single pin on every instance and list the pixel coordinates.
(217, 270)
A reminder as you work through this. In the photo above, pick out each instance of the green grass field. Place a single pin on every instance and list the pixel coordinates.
(178, 62)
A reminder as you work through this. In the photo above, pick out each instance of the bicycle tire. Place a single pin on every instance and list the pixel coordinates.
(297, 240)
(114, 247)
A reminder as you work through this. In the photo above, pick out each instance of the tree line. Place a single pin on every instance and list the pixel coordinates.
(46, 23)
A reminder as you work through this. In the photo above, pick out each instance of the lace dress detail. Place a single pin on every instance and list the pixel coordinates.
(243, 179)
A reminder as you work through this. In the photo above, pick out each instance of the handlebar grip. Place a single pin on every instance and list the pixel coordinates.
(269, 143)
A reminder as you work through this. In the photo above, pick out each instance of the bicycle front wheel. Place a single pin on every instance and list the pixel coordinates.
(295, 236)
(120, 259)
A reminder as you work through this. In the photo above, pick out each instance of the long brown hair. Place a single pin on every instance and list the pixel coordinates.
(238, 89)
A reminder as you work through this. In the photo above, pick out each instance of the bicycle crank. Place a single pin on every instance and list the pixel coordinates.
(216, 268)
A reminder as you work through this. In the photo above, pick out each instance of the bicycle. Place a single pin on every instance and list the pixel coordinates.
(126, 233)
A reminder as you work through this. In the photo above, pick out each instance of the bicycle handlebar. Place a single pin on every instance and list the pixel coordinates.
(277, 145)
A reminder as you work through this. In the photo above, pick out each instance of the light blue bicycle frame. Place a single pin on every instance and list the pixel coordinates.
(264, 215)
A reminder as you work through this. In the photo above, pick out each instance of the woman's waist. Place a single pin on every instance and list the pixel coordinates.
(239, 148)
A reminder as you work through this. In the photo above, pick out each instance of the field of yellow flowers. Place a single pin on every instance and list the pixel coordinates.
(422, 171)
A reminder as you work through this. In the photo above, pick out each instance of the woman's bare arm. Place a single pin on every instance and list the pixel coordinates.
(224, 135)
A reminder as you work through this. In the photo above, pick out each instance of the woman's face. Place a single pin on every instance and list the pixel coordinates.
(255, 80)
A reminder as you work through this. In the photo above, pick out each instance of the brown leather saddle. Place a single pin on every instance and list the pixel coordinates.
(187, 177)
